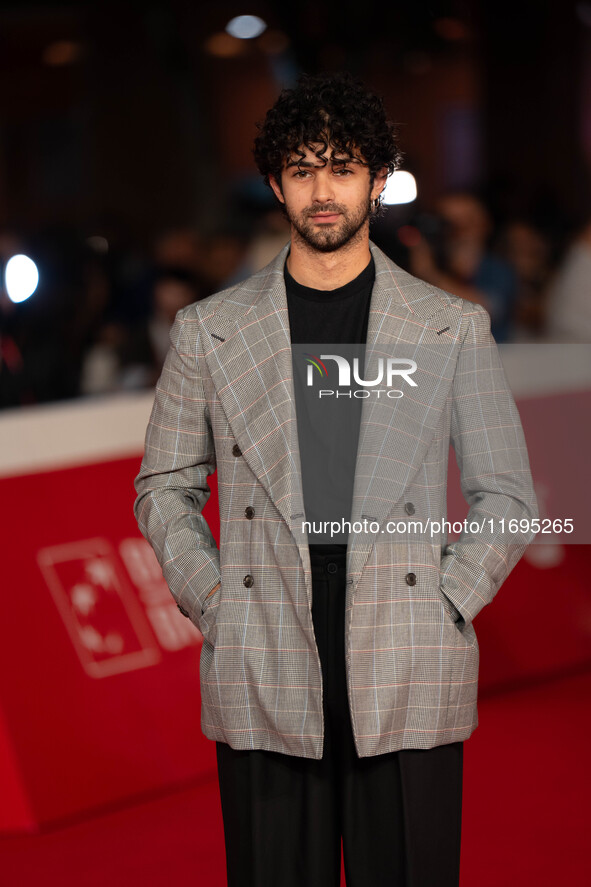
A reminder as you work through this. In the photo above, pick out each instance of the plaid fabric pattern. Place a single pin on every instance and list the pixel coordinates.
(225, 399)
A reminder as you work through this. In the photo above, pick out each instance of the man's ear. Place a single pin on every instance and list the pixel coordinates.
(275, 185)
(379, 182)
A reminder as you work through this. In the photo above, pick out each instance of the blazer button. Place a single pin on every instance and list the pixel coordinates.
(249, 512)
(411, 579)
(409, 508)
(236, 451)
(182, 609)
(248, 580)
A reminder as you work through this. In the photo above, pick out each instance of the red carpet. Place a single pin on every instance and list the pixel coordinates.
(525, 819)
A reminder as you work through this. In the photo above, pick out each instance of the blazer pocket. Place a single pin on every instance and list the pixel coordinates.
(208, 618)
(451, 610)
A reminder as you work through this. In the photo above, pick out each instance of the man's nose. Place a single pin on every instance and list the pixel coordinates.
(323, 190)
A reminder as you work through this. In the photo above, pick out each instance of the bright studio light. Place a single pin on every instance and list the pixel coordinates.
(20, 278)
(401, 187)
(245, 27)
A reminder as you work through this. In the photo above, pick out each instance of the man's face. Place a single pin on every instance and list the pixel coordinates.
(328, 205)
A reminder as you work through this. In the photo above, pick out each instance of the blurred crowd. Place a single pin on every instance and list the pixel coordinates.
(99, 321)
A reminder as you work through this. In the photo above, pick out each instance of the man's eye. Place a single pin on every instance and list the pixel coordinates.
(300, 174)
(344, 171)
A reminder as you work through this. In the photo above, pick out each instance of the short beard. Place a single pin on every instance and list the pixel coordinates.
(330, 240)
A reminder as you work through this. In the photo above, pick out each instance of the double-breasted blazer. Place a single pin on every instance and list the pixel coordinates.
(225, 400)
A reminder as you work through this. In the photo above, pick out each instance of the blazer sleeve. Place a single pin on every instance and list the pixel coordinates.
(491, 453)
(172, 484)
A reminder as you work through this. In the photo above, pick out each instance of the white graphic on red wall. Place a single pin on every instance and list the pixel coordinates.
(173, 630)
(100, 610)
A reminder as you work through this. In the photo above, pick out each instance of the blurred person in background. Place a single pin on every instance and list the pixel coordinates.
(338, 679)
(130, 356)
(147, 345)
(213, 257)
(271, 233)
(101, 365)
(179, 248)
(568, 315)
(465, 265)
(222, 253)
(528, 250)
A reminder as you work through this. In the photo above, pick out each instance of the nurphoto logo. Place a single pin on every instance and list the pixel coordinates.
(387, 370)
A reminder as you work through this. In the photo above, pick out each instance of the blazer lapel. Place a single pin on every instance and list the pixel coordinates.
(408, 321)
(250, 361)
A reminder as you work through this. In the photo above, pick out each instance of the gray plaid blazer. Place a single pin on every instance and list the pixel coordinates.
(225, 399)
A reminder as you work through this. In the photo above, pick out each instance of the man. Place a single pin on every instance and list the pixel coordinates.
(339, 679)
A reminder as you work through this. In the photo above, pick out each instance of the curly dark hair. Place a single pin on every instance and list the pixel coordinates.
(334, 109)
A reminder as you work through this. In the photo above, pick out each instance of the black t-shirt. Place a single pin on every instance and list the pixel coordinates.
(323, 317)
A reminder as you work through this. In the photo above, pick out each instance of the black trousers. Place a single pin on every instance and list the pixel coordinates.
(399, 814)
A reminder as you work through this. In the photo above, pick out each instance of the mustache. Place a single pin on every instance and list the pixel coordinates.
(334, 208)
